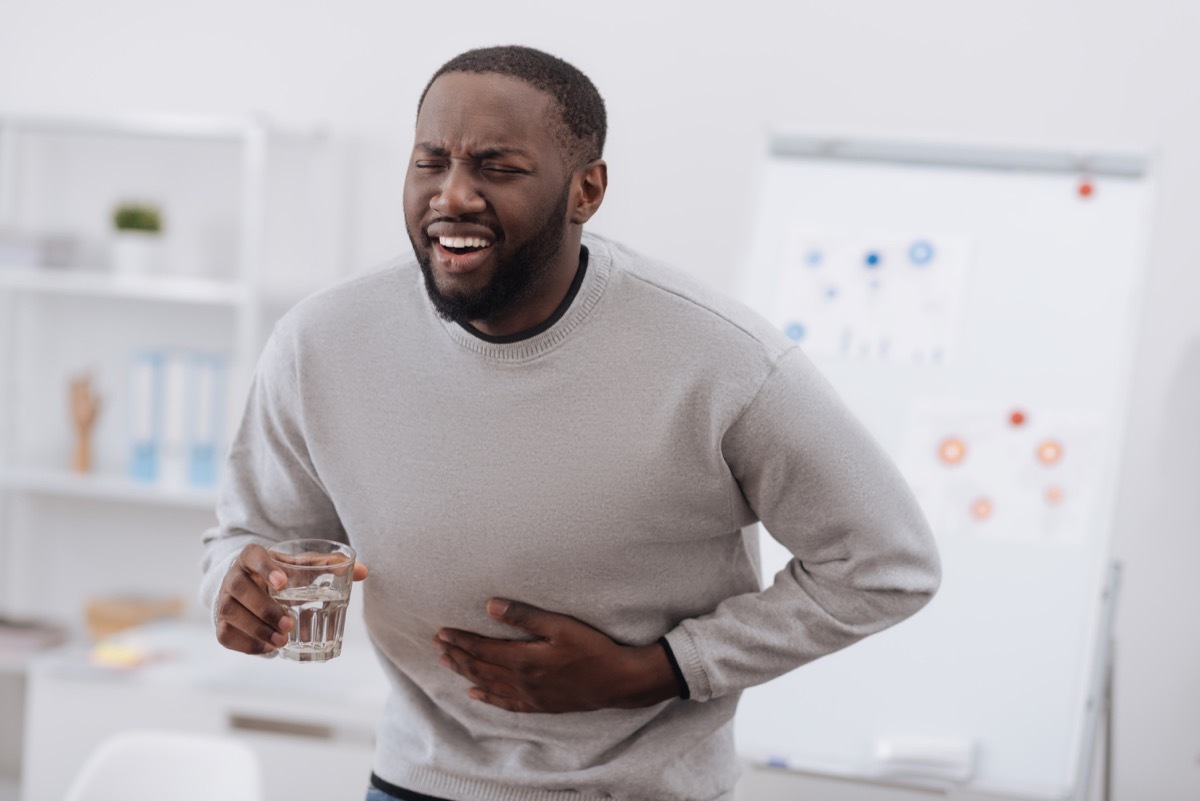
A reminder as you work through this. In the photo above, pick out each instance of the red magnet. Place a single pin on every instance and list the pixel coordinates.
(1017, 417)
(1086, 188)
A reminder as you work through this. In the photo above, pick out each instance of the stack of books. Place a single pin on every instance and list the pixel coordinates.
(21, 638)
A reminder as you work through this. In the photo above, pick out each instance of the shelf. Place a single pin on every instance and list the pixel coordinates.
(157, 126)
(16, 656)
(48, 321)
(18, 664)
(185, 652)
(151, 125)
(173, 289)
(107, 488)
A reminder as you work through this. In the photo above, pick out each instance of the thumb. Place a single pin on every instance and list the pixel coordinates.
(522, 616)
(360, 571)
(255, 561)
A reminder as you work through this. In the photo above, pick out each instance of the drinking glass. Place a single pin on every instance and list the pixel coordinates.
(319, 576)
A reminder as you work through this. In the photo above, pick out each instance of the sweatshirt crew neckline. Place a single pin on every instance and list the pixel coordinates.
(548, 323)
(595, 279)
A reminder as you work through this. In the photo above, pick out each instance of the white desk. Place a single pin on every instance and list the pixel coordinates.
(297, 716)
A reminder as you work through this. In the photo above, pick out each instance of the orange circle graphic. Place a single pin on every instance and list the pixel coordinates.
(1049, 452)
(952, 450)
(981, 509)
(1054, 495)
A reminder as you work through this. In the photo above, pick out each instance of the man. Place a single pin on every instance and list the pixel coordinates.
(546, 448)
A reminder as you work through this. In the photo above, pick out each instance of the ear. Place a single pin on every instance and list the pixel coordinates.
(591, 181)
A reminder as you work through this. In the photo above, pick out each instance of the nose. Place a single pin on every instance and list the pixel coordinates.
(458, 193)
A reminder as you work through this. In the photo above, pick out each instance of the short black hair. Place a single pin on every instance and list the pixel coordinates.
(579, 103)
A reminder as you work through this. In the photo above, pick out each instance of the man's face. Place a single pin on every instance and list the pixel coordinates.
(486, 194)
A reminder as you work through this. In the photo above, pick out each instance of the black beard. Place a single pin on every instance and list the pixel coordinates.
(515, 277)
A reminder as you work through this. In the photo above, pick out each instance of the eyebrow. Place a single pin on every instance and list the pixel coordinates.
(488, 153)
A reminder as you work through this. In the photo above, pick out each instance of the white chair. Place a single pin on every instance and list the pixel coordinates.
(158, 765)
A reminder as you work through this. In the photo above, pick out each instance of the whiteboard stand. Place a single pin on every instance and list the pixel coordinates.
(1103, 695)
(1108, 724)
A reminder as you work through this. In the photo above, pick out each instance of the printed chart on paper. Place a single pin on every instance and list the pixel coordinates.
(882, 297)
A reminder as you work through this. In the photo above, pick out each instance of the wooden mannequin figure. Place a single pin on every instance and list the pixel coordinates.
(85, 406)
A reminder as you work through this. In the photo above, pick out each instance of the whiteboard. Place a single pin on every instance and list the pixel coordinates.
(1015, 352)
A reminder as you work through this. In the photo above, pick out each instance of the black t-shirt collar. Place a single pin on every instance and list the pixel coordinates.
(549, 321)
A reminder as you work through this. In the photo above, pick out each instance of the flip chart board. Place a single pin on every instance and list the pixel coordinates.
(977, 308)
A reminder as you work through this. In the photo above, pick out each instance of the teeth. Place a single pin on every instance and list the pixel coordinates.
(462, 242)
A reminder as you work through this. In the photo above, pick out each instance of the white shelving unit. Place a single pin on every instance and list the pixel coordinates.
(141, 287)
(65, 484)
(66, 537)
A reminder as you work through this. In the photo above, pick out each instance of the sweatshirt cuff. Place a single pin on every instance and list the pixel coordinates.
(680, 681)
(210, 583)
(684, 655)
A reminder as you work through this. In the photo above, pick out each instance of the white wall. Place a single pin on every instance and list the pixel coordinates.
(691, 87)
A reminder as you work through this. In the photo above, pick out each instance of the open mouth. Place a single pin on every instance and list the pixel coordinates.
(460, 245)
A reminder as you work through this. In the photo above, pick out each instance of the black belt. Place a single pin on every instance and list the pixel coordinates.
(399, 792)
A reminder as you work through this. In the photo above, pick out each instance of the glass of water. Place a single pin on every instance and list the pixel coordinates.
(319, 576)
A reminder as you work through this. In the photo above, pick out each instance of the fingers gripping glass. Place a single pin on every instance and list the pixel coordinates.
(319, 576)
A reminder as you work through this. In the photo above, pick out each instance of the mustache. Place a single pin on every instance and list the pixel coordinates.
(466, 219)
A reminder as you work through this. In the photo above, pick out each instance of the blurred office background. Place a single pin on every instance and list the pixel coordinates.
(692, 90)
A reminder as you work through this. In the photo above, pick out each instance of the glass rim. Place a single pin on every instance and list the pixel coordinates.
(344, 550)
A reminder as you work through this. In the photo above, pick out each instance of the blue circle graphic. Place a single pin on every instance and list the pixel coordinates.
(921, 253)
(814, 257)
(795, 332)
(873, 259)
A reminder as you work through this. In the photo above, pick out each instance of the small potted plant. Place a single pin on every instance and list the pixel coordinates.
(137, 238)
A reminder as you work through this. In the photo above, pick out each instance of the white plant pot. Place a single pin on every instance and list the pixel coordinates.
(136, 252)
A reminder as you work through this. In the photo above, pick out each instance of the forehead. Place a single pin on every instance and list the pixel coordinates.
(472, 110)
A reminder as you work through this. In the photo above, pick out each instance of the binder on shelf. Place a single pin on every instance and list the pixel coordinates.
(144, 405)
(208, 390)
(175, 417)
(173, 466)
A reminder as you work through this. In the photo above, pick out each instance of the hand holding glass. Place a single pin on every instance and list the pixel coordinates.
(319, 576)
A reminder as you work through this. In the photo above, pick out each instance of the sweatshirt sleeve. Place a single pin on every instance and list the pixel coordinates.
(270, 490)
(863, 555)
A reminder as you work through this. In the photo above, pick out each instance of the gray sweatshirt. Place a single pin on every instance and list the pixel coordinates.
(604, 469)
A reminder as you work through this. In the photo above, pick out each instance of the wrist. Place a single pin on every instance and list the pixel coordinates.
(650, 677)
